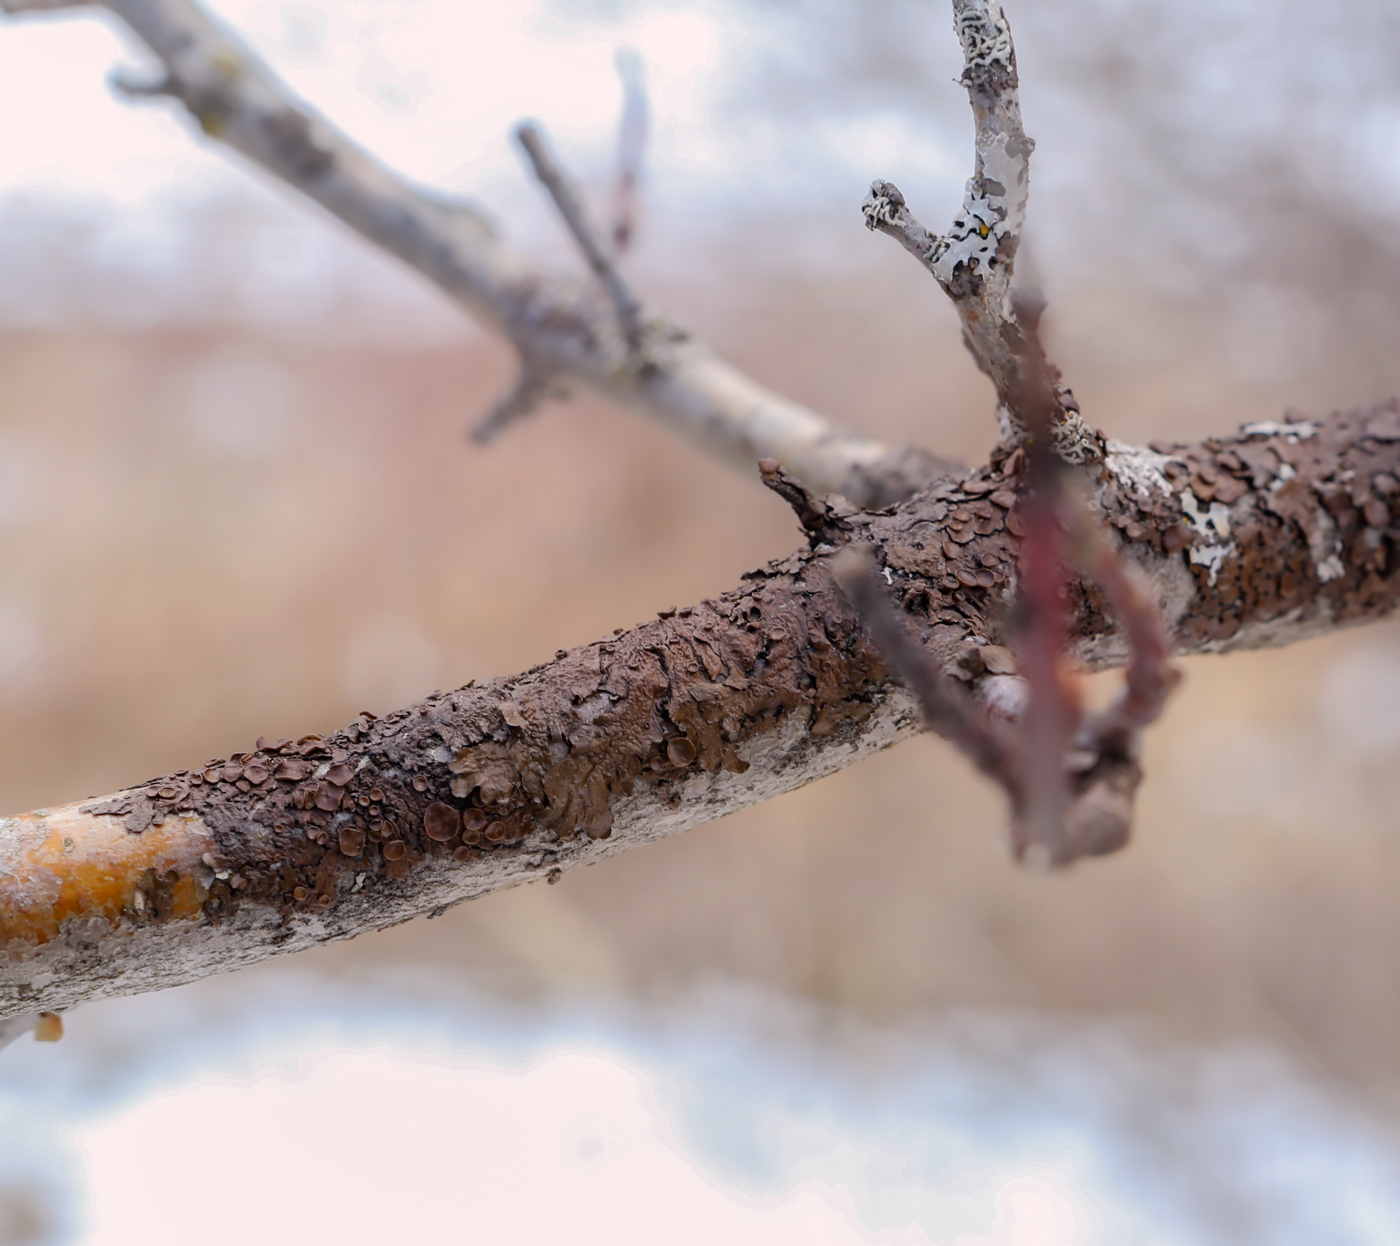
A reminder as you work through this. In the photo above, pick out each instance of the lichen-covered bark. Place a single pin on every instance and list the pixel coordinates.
(1278, 532)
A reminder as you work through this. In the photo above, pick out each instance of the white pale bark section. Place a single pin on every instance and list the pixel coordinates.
(994, 205)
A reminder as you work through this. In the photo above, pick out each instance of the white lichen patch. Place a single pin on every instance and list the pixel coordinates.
(1330, 568)
(1005, 696)
(1212, 523)
(1325, 546)
(1292, 433)
(1212, 558)
(1140, 469)
(984, 33)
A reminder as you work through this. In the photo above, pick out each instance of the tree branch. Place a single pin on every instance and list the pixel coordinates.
(1280, 532)
(569, 200)
(560, 327)
(631, 147)
(975, 260)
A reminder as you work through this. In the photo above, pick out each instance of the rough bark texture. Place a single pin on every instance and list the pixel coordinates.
(1279, 532)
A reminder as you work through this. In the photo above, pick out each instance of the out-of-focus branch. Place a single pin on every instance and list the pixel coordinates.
(631, 148)
(533, 386)
(947, 710)
(1079, 775)
(974, 260)
(565, 330)
(569, 200)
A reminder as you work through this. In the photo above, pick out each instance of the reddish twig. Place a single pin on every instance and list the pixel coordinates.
(1055, 709)
(945, 707)
(1071, 778)
(1079, 774)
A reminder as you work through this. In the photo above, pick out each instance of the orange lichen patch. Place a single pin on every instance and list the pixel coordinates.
(49, 1028)
(61, 863)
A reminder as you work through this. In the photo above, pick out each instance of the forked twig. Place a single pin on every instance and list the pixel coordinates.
(1071, 778)
(975, 259)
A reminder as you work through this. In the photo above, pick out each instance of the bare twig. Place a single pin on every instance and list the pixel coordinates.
(569, 200)
(631, 148)
(946, 708)
(1079, 776)
(974, 261)
(534, 385)
(237, 101)
(1039, 831)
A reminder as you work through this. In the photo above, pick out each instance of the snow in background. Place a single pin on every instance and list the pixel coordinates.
(1223, 150)
(281, 1107)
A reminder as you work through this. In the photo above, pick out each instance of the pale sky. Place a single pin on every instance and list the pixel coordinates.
(275, 1106)
(95, 189)
(434, 87)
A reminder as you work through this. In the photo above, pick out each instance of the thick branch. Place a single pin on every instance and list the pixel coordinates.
(566, 331)
(1280, 532)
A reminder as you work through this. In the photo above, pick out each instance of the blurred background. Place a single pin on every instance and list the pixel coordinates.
(236, 499)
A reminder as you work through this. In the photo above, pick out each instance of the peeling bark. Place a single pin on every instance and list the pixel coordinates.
(1279, 532)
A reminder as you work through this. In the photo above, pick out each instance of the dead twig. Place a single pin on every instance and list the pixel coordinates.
(535, 384)
(631, 148)
(1071, 780)
(975, 259)
(569, 200)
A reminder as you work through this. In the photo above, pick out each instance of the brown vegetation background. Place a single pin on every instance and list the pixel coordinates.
(211, 535)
